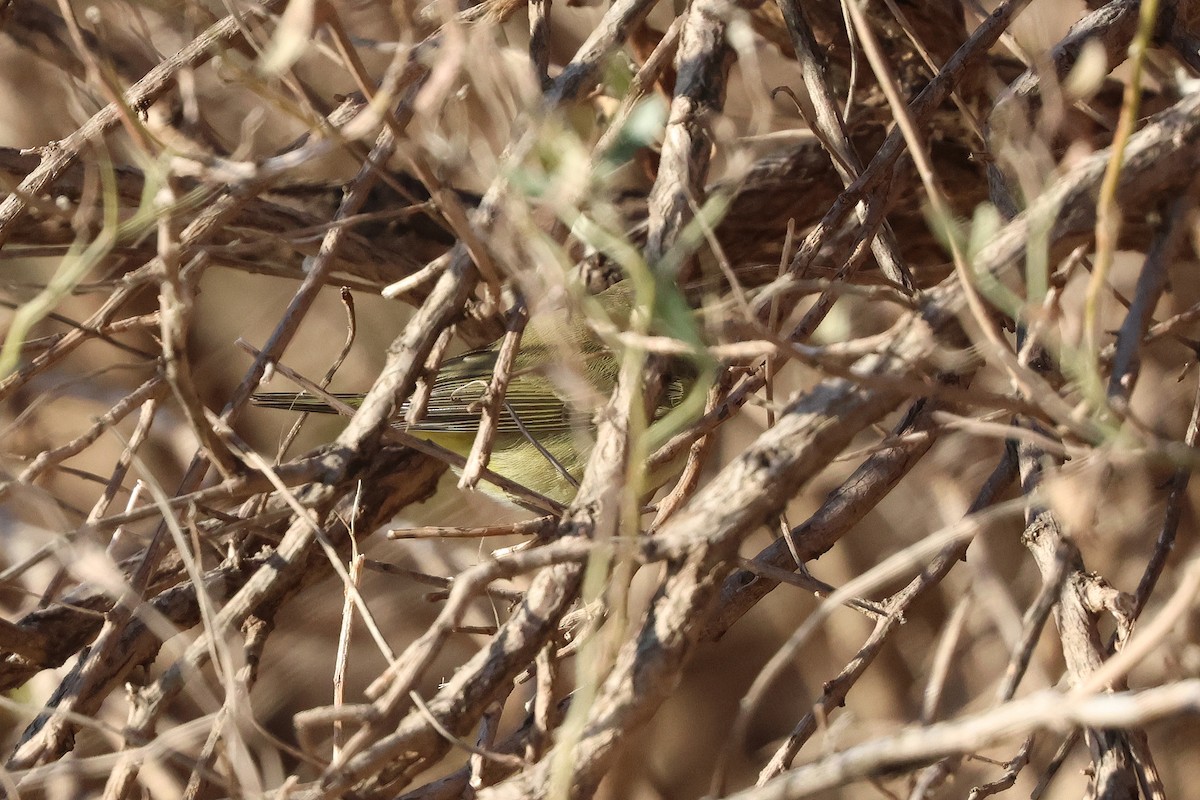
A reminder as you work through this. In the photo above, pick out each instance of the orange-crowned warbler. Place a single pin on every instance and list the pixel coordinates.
(562, 372)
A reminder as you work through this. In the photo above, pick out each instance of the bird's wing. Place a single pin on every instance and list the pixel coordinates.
(533, 403)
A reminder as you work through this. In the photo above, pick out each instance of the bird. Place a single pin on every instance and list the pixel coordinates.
(562, 372)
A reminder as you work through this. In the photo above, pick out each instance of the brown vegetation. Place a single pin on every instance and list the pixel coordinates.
(941, 256)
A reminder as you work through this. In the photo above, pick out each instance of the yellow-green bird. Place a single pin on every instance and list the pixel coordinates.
(562, 372)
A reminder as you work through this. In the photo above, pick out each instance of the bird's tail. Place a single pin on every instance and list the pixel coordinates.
(300, 401)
